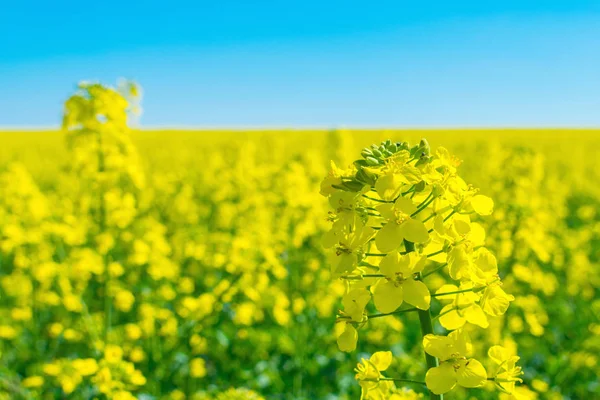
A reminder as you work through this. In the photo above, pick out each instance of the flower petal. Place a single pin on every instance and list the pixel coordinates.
(389, 237)
(381, 360)
(344, 263)
(482, 205)
(416, 293)
(415, 231)
(405, 205)
(498, 354)
(390, 264)
(441, 379)
(347, 340)
(451, 320)
(495, 301)
(476, 316)
(388, 186)
(471, 373)
(438, 346)
(386, 211)
(387, 296)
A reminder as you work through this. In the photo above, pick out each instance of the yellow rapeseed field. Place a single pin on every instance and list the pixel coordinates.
(160, 264)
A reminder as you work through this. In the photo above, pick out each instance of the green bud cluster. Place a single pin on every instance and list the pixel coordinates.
(377, 155)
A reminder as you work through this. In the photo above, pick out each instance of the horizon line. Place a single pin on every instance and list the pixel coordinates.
(241, 128)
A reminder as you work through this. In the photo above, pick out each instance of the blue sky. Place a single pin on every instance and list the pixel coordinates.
(310, 63)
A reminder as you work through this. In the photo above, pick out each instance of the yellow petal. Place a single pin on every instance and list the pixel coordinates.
(416, 293)
(441, 379)
(344, 263)
(415, 231)
(411, 173)
(486, 261)
(381, 360)
(482, 205)
(387, 296)
(417, 262)
(347, 340)
(458, 263)
(438, 346)
(462, 226)
(354, 303)
(451, 320)
(498, 354)
(405, 205)
(389, 237)
(477, 235)
(341, 199)
(391, 264)
(471, 373)
(386, 211)
(330, 238)
(495, 301)
(447, 289)
(461, 342)
(388, 186)
(476, 316)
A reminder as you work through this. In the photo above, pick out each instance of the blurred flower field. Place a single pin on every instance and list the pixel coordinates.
(189, 264)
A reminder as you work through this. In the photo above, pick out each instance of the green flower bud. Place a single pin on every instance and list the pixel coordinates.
(365, 177)
(353, 186)
(372, 161)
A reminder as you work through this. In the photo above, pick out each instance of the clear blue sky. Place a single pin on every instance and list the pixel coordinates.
(309, 63)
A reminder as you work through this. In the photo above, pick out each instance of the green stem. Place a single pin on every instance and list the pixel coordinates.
(445, 312)
(377, 200)
(456, 292)
(423, 206)
(428, 218)
(426, 328)
(436, 253)
(392, 313)
(394, 380)
(433, 271)
(359, 277)
(375, 255)
(449, 215)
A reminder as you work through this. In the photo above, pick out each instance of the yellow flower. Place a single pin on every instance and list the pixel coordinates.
(399, 284)
(33, 381)
(452, 351)
(133, 331)
(354, 303)
(495, 300)
(463, 308)
(7, 332)
(348, 247)
(368, 375)
(124, 300)
(197, 368)
(137, 378)
(507, 373)
(400, 225)
(137, 355)
(113, 353)
(85, 366)
(123, 395)
(52, 369)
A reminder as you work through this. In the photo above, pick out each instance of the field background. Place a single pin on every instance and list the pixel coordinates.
(243, 207)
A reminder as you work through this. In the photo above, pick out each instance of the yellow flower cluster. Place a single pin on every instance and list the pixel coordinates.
(399, 215)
